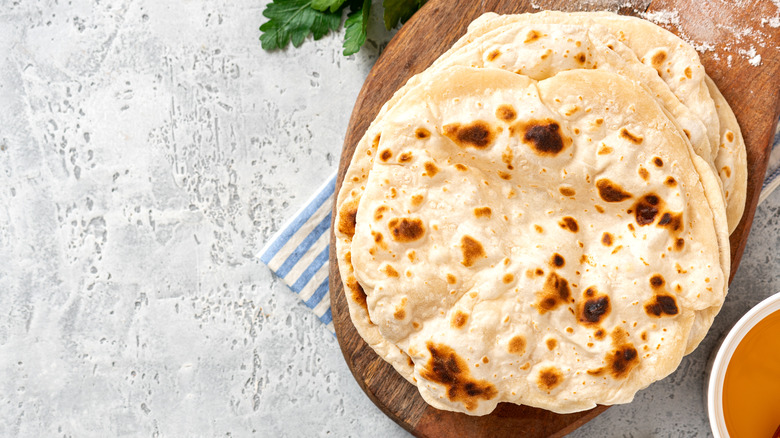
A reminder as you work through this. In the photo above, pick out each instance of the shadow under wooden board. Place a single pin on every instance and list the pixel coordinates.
(753, 92)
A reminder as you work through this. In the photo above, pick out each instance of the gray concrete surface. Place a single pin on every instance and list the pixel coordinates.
(147, 150)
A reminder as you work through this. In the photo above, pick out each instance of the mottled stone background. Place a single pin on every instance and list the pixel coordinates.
(148, 148)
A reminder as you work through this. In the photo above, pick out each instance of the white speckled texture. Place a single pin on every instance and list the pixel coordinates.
(147, 150)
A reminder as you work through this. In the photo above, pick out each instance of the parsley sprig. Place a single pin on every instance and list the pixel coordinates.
(294, 20)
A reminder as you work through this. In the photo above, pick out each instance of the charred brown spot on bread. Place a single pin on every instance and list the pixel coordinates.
(409, 360)
(412, 255)
(405, 157)
(569, 223)
(516, 345)
(504, 175)
(459, 319)
(430, 168)
(508, 278)
(555, 292)
(406, 229)
(729, 136)
(679, 244)
(646, 209)
(507, 156)
(539, 229)
(549, 378)
(622, 360)
(506, 112)
(380, 212)
(662, 305)
(532, 36)
(593, 310)
(633, 138)
(461, 167)
(727, 171)
(357, 293)
(688, 72)
(597, 372)
(390, 271)
(581, 58)
(672, 221)
(477, 134)
(657, 281)
(375, 143)
(544, 136)
(604, 149)
(417, 200)
(422, 133)
(600, 334)
(447, 368)
(551, 343)
(385, 155)
(348, 217)
(658, 161)
(607, 239)
(643, 173)
(611, 192)
(670, 181)
(658, 58)
(567, 191)
(483, 212)
(495, 53)
(599, 208)
(557, 261)
(472, 250)
(399, 313)
(379, 239)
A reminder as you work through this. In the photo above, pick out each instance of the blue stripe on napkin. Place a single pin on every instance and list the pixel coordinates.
(299, 252)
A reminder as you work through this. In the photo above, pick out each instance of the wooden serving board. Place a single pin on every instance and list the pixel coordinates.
(752, 91)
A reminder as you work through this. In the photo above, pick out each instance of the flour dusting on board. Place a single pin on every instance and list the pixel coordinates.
(745, 39)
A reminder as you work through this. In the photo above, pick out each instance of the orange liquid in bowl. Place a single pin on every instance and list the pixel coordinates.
(751, 389)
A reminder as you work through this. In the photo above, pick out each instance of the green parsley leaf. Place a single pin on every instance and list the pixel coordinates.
(356, 25)
(321, 5)
(294, 20)
(399, 11)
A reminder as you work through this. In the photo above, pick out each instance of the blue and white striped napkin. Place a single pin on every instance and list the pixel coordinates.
(298, 253)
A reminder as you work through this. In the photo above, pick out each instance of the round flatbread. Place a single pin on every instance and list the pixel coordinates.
(517, 251)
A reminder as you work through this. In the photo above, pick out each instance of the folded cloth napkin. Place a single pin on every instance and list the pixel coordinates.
(298, 252)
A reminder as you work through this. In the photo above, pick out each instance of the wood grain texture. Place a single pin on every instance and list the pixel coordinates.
(753, 93)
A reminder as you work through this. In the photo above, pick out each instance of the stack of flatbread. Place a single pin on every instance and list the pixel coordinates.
(542, 216)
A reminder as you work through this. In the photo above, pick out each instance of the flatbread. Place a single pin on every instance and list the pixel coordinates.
(731, 161)
(542, 57)
(394, 309)
(423, 218)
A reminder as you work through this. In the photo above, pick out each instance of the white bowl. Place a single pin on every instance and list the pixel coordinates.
(721, 361)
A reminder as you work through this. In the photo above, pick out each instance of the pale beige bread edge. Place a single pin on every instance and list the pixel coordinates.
(731, 161)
